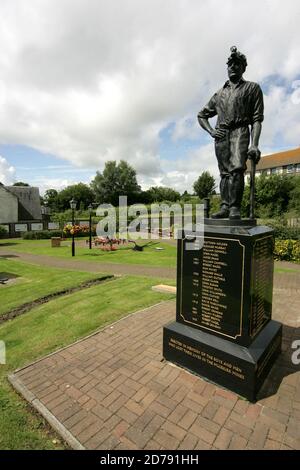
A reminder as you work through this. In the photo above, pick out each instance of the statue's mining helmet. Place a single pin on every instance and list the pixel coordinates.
(237, 56)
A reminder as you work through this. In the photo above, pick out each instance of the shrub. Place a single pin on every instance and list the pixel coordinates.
(3, 232)
(287, 250)
(41, 235)
(282, 231)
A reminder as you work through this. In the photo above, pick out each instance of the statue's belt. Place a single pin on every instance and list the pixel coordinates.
(233, 126)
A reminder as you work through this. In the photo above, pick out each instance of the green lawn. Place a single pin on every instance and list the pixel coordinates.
(51, 326)
(151, 256)
(35, 281)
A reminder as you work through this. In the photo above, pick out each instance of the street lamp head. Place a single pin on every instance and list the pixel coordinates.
(73, 204)
(90, 208)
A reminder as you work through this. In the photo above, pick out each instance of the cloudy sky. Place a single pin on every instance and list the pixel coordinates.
(86, 81)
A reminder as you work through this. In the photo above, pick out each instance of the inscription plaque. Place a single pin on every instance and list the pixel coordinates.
(262, 275)
(210, 289)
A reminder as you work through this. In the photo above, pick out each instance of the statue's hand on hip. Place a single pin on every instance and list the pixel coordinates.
(218, 134)
(254, 153)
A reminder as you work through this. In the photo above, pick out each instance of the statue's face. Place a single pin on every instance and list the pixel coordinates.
(235, 70)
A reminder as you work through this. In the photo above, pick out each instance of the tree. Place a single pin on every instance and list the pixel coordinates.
(81, 192)
(294, 203)
(163, 193)
(205, 185)
(116, 180)
(51, 199)
(272, 194)
(20, 183)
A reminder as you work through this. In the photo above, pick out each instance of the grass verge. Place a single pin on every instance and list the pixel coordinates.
(52, 326)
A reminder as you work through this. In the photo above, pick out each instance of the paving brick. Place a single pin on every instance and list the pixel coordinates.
(223, 439)
(241, 407)
(292, 442)
(154, 425)
(202, 445)
(160, 409)
(129, 445)
(63, 415)
(127, 415)
(139, 438)
(120, 429)
(174, 430)
(75, 418)
(177, 414)
(113, 396)
(102, 412)
(89, 405)
(226, 394)
(221, 415)
(238, 428)
(203, 434)
(134, 407)
(210, 410)
(189, 442)
(188, 419)
(140, 394)
(207, 424)
(243, 420)
(112, 422)
(275, 435)
(89, 432)
(109, 444)
(83, 424)
(52, 396)
(276, 415)
(151, 445)
(166, 440)
(58, 401)
(180, 394)
(272, 445)
(259, 435)
(253, 411)
(238, 442)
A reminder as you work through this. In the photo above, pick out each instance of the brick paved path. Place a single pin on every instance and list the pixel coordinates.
(112, 391)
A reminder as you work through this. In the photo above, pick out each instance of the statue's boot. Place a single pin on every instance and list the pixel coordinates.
(223, 213)
(224, 191)
(236, 189)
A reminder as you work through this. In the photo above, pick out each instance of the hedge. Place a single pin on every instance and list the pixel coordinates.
(3, 232)
(287, 250)
(41, 235)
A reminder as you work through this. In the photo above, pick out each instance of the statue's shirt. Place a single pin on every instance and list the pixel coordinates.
(235, 105)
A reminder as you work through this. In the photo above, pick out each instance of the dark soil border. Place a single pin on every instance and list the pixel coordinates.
(24, 308)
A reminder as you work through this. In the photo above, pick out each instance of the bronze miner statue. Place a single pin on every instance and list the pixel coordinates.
(238, 105)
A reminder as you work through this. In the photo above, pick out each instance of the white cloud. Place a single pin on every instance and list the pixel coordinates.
(7, 172)
(98, 80)
(53, 183)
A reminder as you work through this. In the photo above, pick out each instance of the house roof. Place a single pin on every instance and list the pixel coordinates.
(274, 160)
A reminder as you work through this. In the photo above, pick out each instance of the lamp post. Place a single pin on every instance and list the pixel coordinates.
(73, 207)
(90, 208)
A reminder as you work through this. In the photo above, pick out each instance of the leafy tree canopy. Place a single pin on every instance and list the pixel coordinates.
(81, 192)
(205, 185)
(162, 193)
(116, 180)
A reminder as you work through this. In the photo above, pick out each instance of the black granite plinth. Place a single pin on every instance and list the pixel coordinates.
(242, 370)
(223, 327)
